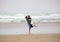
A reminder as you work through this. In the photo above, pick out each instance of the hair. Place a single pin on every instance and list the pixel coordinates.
(25, 16)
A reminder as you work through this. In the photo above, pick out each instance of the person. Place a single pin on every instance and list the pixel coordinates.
(28, 18)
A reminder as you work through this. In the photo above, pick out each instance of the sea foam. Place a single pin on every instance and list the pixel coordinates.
(39, 18)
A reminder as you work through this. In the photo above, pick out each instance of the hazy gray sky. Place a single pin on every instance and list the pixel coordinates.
(30, 6)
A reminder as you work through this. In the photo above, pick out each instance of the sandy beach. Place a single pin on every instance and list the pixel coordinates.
(31, 38)
(15, 14)
(18, 32)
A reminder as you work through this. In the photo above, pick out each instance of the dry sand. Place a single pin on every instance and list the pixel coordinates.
(30, 38)
(52, 37)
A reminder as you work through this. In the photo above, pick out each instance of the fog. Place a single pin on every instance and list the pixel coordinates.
(31, 7)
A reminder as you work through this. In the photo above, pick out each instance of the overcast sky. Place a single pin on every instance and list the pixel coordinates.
(34, 7)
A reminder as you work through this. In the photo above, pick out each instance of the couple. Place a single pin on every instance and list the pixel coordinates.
(28, 19)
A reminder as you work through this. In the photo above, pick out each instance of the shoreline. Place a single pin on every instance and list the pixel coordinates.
(22, 28)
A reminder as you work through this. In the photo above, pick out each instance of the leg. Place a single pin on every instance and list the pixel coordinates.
(33, 25)
(29, 30)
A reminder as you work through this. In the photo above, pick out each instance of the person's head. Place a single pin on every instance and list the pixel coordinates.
(29, 16)
(25, 16)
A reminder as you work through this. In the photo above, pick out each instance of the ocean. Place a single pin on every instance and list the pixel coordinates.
(21, 18)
